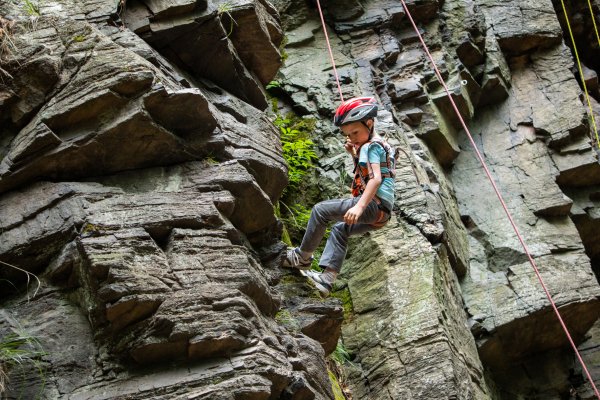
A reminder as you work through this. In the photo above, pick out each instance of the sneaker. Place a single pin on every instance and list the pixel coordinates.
(293, 259)
(321, 284)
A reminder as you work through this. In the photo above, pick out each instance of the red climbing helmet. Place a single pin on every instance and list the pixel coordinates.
(355, 109)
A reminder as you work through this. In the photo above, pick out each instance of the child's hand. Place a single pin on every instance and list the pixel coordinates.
(349, 147)
(352, 215)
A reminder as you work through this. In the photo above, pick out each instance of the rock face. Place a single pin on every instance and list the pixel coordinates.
(139, 172)
(137, 179)
(451, 258)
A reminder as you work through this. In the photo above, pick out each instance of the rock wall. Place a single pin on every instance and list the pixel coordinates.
(139, 169)
(137, 179)
(451, 258)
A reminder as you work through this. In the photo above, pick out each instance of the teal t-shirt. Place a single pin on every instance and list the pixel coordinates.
(376, 155)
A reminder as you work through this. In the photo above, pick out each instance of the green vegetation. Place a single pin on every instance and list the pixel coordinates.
(17, 350)
(346, 299)
(273, 85)
(337, 360)
(298, 149)
(299, 153)
(31, 8)
(335, 385)
(285, 318)
(340, 355)
(284, 54)
(225, 9)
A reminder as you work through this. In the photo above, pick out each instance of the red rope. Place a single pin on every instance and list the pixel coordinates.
(337, 79)
(512, 222)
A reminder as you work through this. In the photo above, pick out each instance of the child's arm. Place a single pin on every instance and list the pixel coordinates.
(353, 214)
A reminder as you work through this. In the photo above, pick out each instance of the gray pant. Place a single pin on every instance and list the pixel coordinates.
(334, 210)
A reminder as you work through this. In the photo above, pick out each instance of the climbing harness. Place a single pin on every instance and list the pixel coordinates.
(487, 171)
(362, 175)
(504, 206)
(587, 96)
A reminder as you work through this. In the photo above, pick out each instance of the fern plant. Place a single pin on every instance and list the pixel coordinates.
(299, 154)
(298, 149)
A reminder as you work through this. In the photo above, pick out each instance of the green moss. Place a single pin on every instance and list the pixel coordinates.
(335, 386)
(78, 38)
(90, 229)
(285, 318)
(346, 299)
(284, 54)
(290, 279)
(274, 104)
(285, 237)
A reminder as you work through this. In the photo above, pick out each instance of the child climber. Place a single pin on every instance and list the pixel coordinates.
(368, 209)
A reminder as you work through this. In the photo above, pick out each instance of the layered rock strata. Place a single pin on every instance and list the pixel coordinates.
(511, 75)
(138, 174)
(137, 180)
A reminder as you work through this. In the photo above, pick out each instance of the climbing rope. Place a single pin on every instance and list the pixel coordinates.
(587, 96)
(487, 172)
(508, 214)
(337, 79)
(594, 21)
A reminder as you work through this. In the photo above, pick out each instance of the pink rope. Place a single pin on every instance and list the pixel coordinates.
(510, 218)
(337, 79)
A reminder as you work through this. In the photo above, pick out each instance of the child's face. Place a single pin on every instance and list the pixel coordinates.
(356, 132)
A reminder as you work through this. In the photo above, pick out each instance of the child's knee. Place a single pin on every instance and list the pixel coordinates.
(320, 209)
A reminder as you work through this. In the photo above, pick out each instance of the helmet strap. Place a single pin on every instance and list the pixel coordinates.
(364, 122)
